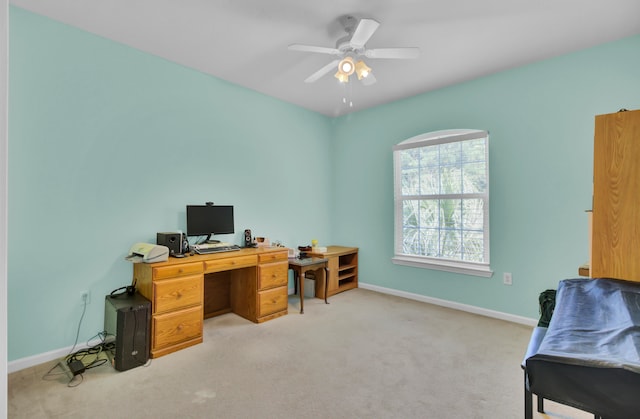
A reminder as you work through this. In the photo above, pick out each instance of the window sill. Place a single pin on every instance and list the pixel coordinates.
(466, 268)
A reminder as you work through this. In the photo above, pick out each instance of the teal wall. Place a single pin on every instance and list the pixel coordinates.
(107, 145)
(540, 118)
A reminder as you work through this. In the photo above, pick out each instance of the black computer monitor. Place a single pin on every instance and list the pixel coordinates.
(207, 220)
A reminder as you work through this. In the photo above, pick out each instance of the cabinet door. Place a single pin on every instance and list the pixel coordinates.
(616, 196)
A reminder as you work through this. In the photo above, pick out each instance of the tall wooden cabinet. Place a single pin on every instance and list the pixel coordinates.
(615, 229)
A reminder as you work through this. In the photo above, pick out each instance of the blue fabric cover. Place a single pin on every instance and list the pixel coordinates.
(590, 356)
(597, 324)
(534, 342)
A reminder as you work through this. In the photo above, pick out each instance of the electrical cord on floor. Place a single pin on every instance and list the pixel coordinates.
(88, 358)
(77, 383)
(75, 364)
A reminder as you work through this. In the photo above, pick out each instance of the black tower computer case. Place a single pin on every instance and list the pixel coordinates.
(128, 318)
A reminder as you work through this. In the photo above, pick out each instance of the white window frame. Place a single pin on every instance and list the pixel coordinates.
(482, 269)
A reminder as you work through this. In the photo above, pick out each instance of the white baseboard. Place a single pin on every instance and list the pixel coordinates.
(451, 304)
(22, 363)
(30, 361)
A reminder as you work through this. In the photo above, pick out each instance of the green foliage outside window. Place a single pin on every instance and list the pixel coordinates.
(444, 193)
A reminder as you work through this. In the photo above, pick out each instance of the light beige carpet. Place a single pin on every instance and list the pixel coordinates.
(365, 355)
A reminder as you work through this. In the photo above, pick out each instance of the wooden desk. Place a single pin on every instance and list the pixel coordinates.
(183, 291)
(300, 266)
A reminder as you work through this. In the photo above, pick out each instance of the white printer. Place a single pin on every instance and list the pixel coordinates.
(148, 253)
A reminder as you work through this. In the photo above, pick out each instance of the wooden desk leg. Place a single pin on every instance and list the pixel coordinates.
(295, 282)
(301, 287)
(326, 283)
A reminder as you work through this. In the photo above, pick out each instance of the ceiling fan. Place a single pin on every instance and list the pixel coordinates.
(351, 48)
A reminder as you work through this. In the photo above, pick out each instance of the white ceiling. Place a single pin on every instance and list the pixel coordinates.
(245, 41)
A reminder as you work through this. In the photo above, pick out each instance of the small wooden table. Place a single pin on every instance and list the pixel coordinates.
(300, 266)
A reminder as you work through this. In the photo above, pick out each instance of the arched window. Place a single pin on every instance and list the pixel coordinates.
(442, 201)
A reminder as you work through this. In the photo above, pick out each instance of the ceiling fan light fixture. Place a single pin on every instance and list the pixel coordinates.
(352, 47)
(346, 66)
(342, 77)
(362, 70)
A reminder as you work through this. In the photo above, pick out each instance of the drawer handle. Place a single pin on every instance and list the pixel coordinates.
(179, 328)
(179, 295)
(180, 270)
(274, 276)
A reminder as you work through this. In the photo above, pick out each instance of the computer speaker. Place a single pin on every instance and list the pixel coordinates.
(247, 238)
(172, 240)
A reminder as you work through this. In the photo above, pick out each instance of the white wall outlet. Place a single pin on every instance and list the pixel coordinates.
(85, 297)
(507, 279)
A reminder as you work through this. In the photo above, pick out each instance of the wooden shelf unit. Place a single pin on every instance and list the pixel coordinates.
(343, 269)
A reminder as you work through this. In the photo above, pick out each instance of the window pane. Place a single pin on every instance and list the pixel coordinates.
(410, 182)
(410, 158)
(473, 214)
(474, 177)
(430, 242)
(450, 213)
(429, 180)
(429, 213)
(450, 154)
(411, 241)
(410, 214)
(450, 244)
(473, 150)
(429, 156)
(473, 246)
(450, 179)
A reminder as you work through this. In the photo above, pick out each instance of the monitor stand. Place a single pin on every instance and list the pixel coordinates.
(209, 240)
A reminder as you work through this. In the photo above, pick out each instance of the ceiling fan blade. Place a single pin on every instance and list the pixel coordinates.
(312, 48)
(364, 31)
(402, 53)
(324, 70)
(369, 80)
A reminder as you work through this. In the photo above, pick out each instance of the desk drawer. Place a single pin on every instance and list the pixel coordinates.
(273, 257)
(273, 275)
(172, 328)
(177, 270)
(272, 301)
(226, 264)
(172, 294)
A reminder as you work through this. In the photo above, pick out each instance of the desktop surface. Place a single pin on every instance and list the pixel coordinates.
(243, 251)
